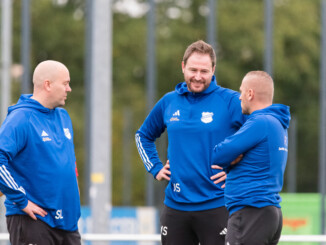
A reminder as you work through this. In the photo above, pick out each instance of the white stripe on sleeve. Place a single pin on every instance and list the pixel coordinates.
(143, 154)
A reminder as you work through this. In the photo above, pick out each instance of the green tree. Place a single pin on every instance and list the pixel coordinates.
(58, 32)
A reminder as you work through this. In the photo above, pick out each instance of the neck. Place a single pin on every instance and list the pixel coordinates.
(259, 106)
(41, 100)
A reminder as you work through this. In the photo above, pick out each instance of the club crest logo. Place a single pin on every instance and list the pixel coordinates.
(67, 133)
(207, 117)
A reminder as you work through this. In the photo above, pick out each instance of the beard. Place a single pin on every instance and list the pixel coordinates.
(197, 86)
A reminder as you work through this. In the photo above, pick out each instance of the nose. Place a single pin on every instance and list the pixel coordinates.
(68, 88)
(197, 75)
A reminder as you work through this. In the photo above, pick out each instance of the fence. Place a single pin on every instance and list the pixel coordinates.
(157, 237)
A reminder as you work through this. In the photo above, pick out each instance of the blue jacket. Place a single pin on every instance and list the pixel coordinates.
(37, 163)
(258, 178)
(195, 123)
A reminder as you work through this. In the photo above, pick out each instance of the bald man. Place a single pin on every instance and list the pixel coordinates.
(253, 184)
(37, 163)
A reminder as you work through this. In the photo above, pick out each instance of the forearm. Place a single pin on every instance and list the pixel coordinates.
(9, 186)
(148, 153)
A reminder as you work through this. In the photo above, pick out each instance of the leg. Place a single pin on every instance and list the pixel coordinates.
(14, 229)
(210, 225)
(234, 230)
(254, 226)
(176, 228)
(23, 230)
(277, 235)
(71, 238)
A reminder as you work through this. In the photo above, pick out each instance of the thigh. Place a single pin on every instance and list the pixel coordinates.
(279, 227)
(234, 229)
(14, 229)
(24, 230)
(176, 228)
(254, 226)
(71, 238)
(210, 226)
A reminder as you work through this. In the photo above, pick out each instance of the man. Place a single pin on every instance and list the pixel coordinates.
(37, 163)
(253, 184)
(197, 115)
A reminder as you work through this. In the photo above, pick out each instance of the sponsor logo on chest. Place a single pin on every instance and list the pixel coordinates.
(45, 136)
(175, 116)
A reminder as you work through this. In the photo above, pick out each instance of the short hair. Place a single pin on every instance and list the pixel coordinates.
(264, 84)
(202, 48)
(261, 74)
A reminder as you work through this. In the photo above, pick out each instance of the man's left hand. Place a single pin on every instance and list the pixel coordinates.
(219, 177)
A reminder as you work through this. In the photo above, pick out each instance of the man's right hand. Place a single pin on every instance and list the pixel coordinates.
(238, 159)
(164, 172)
(31, 209)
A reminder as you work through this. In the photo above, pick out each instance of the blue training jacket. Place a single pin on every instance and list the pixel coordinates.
(258, 178)
(195, 123)
(37, 163)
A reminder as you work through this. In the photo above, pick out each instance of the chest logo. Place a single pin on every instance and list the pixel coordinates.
(45, 136)
(67, 133)
(207, 117)
(175, 116)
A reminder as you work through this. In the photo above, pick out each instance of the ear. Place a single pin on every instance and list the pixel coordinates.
(213, 71)
(183, 67)
(47, 85)
(251, 94)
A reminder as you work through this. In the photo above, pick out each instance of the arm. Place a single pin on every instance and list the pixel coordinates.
(243, 140)
(12, 140)
(221, 176)
(8, 183)
(151, 129)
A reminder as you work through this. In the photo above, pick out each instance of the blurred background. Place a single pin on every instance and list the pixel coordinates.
(289, 48)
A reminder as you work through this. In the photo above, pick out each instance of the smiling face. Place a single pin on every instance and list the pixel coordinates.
(198, 72)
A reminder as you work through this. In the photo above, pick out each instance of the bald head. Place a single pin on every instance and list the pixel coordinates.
(257, 91)
(51, 83)
(47, 71)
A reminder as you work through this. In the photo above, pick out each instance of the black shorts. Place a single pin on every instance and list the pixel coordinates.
(255, 226)
(207, 227)
(23, 230)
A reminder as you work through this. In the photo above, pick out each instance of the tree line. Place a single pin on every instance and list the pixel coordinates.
(58, 32)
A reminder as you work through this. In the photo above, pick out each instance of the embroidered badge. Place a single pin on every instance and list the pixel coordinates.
(67, 133)
(207, 117)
